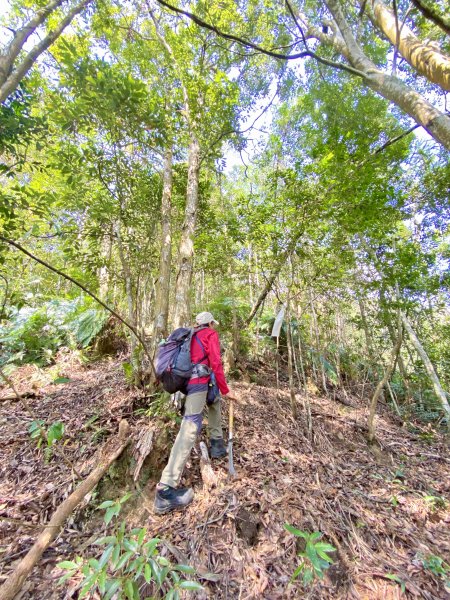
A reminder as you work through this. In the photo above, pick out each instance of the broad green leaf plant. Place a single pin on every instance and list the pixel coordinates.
(129, 561)
(314, 559)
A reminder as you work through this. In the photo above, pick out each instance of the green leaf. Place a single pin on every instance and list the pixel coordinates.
(295, 531)
(105, 504)
(397, 579)
(123, 560)
(129, 589)
(115, 556)
(308, 576)
(312, 555)
(111, 588)
(65, 577)
(324, 547)
(141, 535)
(101, 582)
(67, 564)
(111, 512)
(105, 556)
(150, 546)
(191, 585)
(147, 573)
(61, 380)
(109, 539)
(297, 571)
(184, 569)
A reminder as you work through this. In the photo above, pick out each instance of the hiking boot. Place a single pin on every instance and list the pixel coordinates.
(218, 448)
(168, 498)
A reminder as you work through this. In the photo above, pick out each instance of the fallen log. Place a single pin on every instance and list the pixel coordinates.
(110, 453)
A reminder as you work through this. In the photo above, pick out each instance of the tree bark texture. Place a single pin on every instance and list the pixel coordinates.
(14, 583)
(165, 260)
(427, 60)
(435, 122)
(10, 77)
(182, 314)
(438, 389)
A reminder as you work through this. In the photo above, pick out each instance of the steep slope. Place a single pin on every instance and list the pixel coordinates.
(384, 510)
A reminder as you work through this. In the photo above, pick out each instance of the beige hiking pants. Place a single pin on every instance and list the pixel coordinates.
(190, 428)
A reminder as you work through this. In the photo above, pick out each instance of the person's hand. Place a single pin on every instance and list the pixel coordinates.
(229, 396)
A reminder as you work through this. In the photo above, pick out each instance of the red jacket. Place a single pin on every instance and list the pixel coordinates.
(210, 341)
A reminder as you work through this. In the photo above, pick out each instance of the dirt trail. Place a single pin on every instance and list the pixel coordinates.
(372, 506)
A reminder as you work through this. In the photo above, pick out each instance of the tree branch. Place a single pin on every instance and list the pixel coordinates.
(246, 43)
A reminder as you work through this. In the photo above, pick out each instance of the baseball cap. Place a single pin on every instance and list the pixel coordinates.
(204, 318)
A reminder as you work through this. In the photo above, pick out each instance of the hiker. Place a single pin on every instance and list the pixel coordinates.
(205, 355)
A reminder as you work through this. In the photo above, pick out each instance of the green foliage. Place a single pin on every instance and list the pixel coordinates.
(53, 434)
(437, 566)
(398, 580)
(35, 334)
(314, 558)
(436, 502)
(129, 559)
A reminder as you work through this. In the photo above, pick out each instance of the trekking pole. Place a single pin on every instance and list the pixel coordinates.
(231, 469)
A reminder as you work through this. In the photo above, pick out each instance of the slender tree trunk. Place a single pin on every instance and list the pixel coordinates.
(290, 361)
(182, 315)
(428, 367)
(369, 345)
(401, 364)
(103, 272)
(165, 260)
(10, 77)
(317, 338)
(380, 386)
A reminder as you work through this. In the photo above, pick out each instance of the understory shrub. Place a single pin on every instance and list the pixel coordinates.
(35, 334)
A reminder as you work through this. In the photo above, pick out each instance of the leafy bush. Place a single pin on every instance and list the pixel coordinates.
(35, 334)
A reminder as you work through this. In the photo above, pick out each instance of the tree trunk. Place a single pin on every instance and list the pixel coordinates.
(369, 346)
(428, 367)
(401, 364)
(428, 61)
(290, 362)
(163, 283)
(317, 339)
(10, 78)
(103, 272)
(182, 315)
(380, 386)
(390, 87)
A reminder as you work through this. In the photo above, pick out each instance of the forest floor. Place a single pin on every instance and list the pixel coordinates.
(384, 509)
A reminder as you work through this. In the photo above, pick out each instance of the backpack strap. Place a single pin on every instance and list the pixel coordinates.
(202, 347)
